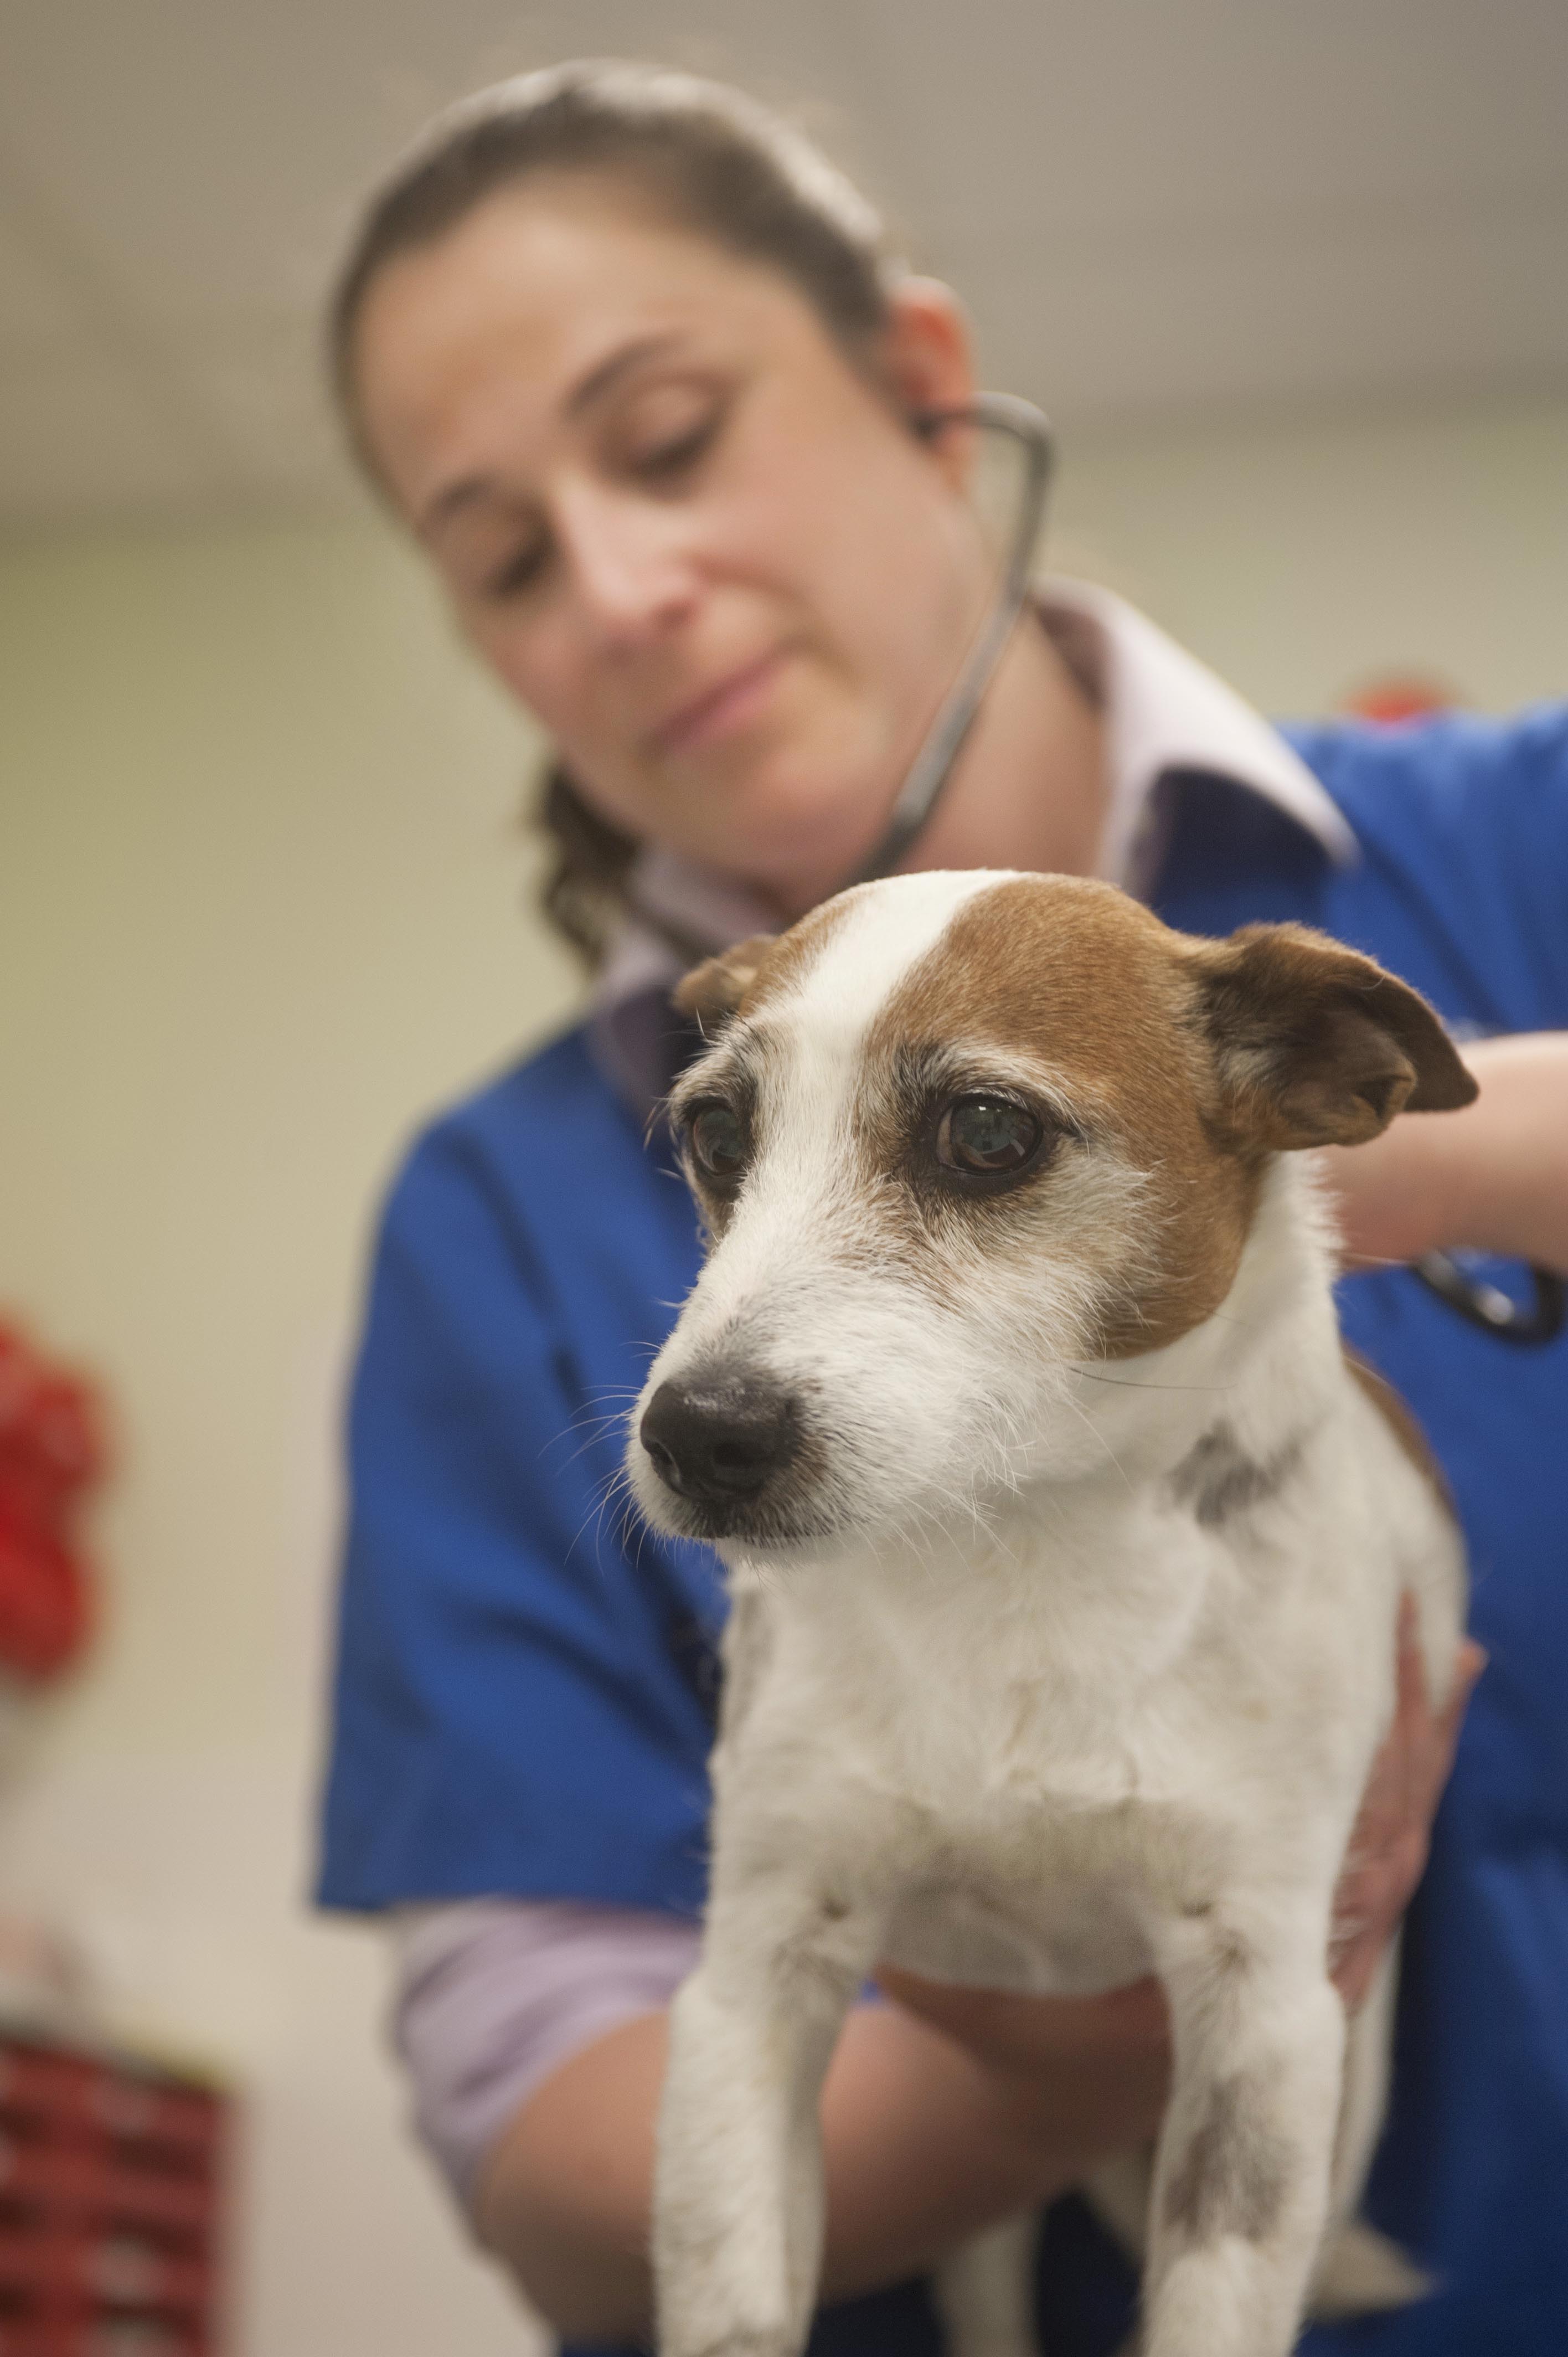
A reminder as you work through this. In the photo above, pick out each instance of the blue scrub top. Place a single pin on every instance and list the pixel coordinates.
(525, 1682)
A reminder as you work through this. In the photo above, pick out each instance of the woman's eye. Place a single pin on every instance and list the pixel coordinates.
(678, 451)
(987, 1136)
(667, 428)
(519, 572)
(718, 1141)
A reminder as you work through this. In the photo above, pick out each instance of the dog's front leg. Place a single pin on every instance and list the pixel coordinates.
(1242, 2176)
(738, 2196)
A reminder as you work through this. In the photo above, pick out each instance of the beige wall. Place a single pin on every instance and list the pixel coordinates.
(1297, 556)
(261, 897)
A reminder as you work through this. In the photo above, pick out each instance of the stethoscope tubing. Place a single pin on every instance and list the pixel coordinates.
(1001, 413)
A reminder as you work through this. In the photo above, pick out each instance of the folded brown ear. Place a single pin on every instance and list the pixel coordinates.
(716, 988)
(1315, 1045)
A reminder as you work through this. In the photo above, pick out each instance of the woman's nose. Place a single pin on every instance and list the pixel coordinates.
(629, 564)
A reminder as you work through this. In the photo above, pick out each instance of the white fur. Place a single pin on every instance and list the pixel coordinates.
(1019, 1718)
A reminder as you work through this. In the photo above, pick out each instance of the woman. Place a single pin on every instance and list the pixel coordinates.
(630, 361)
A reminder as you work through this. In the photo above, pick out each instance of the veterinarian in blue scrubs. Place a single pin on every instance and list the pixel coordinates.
(631, 363)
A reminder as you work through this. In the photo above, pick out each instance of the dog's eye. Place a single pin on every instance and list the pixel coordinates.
(986, 1136)
(719, 1142)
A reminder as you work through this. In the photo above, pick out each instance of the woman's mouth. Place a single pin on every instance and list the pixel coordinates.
(728, 704)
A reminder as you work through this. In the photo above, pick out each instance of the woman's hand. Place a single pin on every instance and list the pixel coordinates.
(1075, 2078)
(1091, 2075)
(1491, 1178)
(1392, 1833)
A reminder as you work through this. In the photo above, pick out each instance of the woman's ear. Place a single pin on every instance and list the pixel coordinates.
(929, 360)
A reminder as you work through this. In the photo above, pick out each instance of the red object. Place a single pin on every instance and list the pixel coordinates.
(51, 1450)
(110, 2205)
(1401, 696)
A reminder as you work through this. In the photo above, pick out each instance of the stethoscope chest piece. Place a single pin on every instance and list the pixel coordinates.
(1496, 1312)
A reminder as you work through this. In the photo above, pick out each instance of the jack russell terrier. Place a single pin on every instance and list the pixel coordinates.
(1064, 1550)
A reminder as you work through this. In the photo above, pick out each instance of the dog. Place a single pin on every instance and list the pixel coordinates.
(1065, 1551)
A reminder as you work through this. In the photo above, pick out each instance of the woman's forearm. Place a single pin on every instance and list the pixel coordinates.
(922, 2144)
(1510, 1182)
(1492, 1177)
(562, 2197)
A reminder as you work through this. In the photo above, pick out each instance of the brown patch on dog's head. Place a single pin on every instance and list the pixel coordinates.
(739, 979)
(1075, 973)
(740, 983)
(1315, 1045)
(1165, 1070)
(714, 990)
(1194, 1060)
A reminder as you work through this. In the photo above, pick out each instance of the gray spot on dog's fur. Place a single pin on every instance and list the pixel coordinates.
(1218, 1479)
(1233, 2177)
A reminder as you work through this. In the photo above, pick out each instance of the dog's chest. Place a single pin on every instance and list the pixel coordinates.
(1016, 1864)
(996, 1768)
(986, 1693)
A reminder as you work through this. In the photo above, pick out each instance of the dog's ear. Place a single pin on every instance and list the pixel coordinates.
(1315, 1045)
(715, 988)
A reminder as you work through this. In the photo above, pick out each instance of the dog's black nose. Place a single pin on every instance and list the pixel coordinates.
(719, 1440)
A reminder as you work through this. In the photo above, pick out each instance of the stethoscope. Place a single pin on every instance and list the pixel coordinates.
(1535, 1322)
(997, 412)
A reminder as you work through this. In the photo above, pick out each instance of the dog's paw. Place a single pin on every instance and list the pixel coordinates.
(1362, 2273)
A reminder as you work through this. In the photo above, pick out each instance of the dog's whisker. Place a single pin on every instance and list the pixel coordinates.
(595, 1518)
(591, 1433)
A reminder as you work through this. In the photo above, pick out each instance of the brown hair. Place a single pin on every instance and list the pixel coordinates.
(717, 162)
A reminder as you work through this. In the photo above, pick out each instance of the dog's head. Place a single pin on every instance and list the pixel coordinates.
(958, 1134)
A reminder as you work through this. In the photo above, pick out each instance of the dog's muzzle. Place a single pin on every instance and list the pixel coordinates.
(717, 1441)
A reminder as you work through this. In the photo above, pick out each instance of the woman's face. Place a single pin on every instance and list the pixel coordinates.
(697, 542)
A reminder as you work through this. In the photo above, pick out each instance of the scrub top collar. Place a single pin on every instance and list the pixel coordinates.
(1165, 714)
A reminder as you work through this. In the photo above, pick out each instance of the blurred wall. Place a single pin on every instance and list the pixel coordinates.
(262, 903)
(1298, 556)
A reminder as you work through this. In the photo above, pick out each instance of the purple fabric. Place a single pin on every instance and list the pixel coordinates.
(494, 1995)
